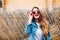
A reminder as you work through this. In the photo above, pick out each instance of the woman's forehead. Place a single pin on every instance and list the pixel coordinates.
(35, 9)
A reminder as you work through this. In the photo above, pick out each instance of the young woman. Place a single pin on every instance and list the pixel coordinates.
(37, 27)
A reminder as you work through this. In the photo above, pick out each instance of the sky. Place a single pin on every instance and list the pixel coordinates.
(25, 4)
(28, 4)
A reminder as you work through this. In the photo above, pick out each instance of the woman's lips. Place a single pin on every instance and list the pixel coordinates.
(36, 15)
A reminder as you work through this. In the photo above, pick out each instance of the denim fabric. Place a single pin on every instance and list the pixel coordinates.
(31, 29)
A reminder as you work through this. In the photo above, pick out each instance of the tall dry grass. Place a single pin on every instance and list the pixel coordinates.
(12, 24)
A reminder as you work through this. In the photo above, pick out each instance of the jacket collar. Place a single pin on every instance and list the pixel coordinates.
(34, 23)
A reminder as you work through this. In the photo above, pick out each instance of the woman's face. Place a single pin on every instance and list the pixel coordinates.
(36, 13)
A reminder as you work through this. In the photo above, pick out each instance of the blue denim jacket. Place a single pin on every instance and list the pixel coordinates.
(31, 29)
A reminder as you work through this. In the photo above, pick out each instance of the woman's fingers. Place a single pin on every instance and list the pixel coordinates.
(30, 16)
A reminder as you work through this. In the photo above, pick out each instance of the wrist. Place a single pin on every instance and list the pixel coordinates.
(29, 21)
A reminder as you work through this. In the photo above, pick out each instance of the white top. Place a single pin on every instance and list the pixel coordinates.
(38, 33)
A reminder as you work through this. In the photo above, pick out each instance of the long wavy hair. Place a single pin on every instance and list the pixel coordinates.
(43, 22)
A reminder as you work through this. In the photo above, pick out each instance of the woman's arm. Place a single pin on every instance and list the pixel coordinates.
(48, 37)
(28, 28)
(48, 27)
(29, 24)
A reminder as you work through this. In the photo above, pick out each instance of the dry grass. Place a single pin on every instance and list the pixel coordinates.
(12, 24)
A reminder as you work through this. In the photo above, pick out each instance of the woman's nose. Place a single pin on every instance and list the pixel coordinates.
(35, 12)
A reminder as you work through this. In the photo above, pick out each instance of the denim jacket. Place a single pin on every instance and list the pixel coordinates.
(31, 29)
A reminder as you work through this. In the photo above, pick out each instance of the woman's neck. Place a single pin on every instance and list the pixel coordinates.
(37, 21)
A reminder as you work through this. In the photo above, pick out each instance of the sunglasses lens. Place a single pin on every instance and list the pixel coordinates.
(37, 12)
(34, 12)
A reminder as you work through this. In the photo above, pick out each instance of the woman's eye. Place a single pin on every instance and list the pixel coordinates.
(33, 12)
(37, 12)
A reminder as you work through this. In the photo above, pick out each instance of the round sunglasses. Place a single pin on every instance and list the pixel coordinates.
(35, 12)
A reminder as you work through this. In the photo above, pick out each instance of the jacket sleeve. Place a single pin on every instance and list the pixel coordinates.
(28, 28)
(48, 37)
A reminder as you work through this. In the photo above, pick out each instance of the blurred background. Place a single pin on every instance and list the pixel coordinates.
(14, 16)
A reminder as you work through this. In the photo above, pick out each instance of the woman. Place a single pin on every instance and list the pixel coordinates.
(37, 27)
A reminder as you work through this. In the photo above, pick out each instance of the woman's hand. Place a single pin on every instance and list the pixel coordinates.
(30, 17)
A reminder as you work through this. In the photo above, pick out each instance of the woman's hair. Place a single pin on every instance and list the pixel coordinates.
(39, 12)
(43, 22)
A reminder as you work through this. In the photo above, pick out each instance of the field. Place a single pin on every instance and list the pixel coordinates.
(12, 24)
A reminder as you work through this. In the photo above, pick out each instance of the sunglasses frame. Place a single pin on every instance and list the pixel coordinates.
(35, 13)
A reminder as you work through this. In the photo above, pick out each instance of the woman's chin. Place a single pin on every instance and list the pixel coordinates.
(36, 17)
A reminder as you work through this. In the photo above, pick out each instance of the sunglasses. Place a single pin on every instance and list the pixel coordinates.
(35, 12)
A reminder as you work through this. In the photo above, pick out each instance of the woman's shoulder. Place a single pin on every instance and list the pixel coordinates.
(32, 24)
